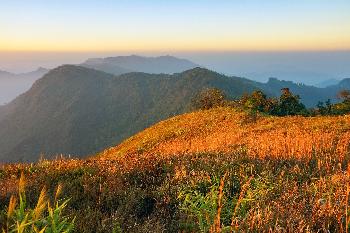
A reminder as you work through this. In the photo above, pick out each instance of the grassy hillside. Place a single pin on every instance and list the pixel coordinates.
(226, 130)
(80, 111)
(268, 174)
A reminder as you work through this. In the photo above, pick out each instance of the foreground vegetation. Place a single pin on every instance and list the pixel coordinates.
(217, 170)
(45, 217)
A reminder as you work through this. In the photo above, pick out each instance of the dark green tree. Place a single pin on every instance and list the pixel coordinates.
(209, 98)
(289, 104)
(324, 108)
(258, 101)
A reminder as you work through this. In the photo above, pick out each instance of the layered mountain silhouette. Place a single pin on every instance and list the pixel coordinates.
(125, 64)
(78, 111)
(12, 85)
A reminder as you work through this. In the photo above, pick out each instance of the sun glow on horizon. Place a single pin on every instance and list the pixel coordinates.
(174, 26)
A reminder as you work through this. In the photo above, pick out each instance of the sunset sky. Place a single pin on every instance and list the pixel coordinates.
(181, 25)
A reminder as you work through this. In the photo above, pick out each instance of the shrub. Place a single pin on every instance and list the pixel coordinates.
(257, 101)
(44, 218)
(289, 104)
(209, 98)
(214, 211)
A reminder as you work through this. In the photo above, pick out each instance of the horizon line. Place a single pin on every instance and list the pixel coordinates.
(168, 52)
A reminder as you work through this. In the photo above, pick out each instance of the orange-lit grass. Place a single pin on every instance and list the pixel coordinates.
(225, 130)
(319, 201)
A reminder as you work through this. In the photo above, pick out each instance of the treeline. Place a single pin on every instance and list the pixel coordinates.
(287, 104)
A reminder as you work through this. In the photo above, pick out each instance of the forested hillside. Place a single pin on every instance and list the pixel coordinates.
(78, 111)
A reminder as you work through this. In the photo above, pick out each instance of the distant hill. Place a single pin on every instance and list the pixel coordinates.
(125, 64)
(343, 84)
(12, 85)
(327, 83)
(80, 111)
(310, 95)
(297, 76)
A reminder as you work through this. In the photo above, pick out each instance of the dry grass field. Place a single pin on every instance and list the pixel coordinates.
(218, 170)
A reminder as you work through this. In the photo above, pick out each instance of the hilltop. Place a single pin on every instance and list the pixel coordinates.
(276, 169)
(225, 130)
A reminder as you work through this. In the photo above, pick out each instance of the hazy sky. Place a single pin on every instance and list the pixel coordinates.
(178, 25)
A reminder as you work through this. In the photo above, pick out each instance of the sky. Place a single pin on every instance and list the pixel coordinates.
(173, 26)
(301, 40)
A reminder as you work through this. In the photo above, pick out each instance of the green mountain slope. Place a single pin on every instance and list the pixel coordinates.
(79, 111)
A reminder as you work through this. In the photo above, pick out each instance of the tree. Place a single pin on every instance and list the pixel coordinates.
(344, 106)
(290, 104)
(258, 101)
(209, 98)
(324, 108)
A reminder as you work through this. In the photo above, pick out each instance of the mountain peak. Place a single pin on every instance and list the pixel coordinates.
(199, 69)
(134, 63)
(41, 69)
(67, 70)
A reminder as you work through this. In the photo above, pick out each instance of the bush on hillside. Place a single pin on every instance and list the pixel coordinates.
(258, 102)
(289, 105)
(209, 98)
(324, 109)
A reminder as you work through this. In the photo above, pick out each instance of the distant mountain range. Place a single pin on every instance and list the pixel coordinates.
(12, 85)
(296, 76)
(79, 111)
(126, 64)
(309, 95)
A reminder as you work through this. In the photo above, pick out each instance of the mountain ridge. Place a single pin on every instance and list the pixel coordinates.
(78, 111)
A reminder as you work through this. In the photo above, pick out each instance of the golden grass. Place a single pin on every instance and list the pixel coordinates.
(303, 158)
(226, 130)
